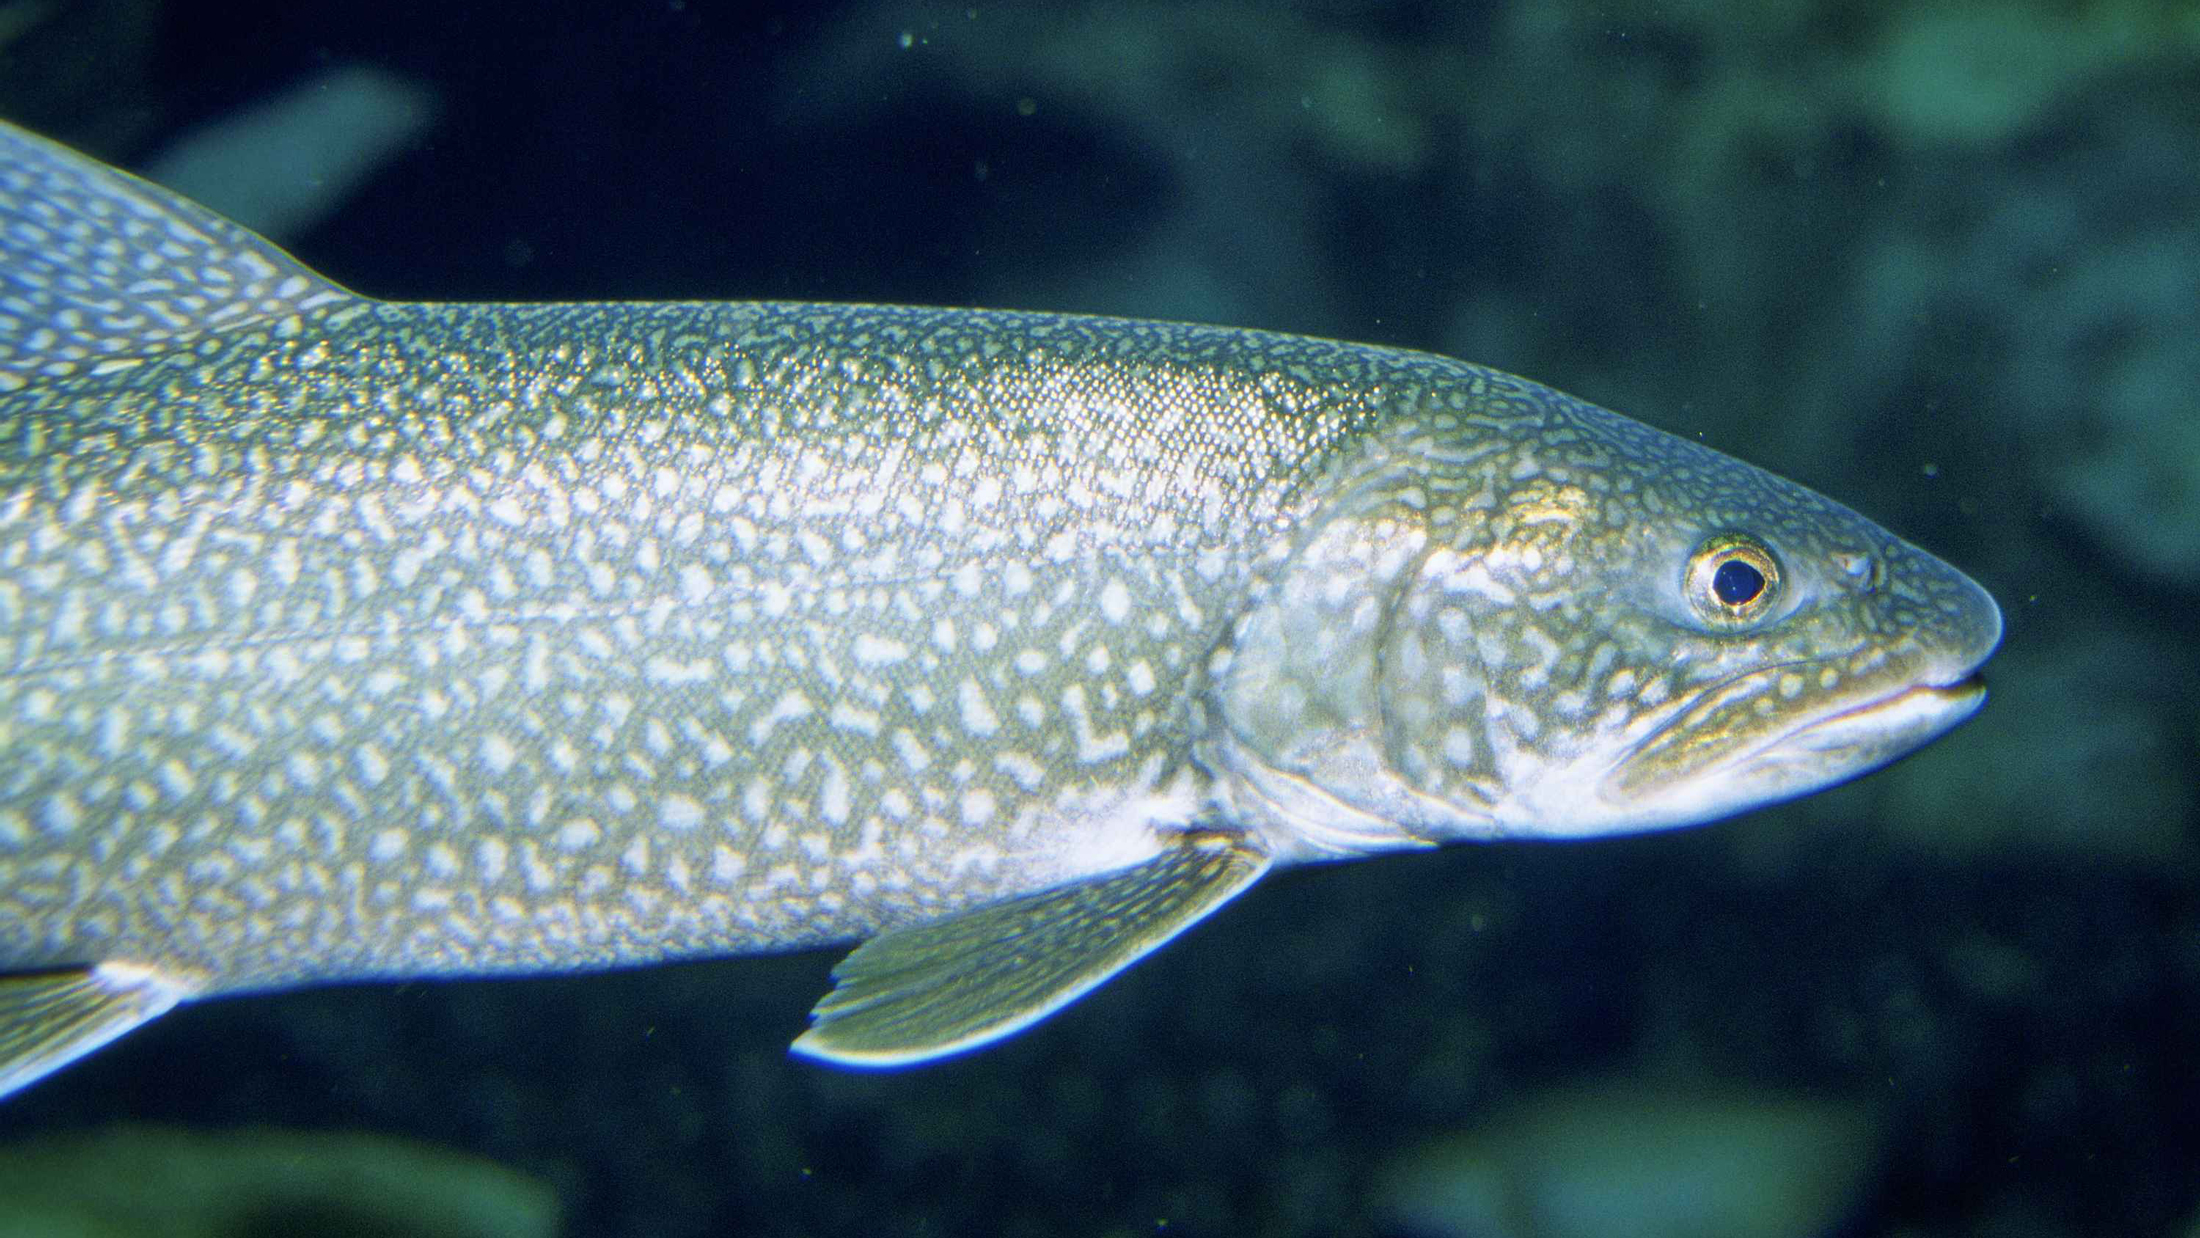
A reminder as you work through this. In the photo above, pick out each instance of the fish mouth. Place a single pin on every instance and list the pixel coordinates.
(1843, 742)
(1899, 721)
(1854, 740)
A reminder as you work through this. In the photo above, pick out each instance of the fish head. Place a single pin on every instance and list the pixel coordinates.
(1582, 626)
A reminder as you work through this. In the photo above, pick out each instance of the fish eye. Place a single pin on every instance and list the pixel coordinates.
(1736, 583)
(1733, 579)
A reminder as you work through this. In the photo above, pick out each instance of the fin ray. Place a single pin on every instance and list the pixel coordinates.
(50, 1019)
(914, 994)
(98, 265)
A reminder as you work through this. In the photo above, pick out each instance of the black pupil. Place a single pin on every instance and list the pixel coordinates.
(1737, 583)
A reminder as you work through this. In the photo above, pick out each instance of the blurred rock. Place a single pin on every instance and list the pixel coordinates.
(1250, 114)
(284, 164)
(2076, 268)
(1959, 73)
(158, 1182)
(1628, 1159)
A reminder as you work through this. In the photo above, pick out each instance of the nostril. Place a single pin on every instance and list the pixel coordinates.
(1862, 570)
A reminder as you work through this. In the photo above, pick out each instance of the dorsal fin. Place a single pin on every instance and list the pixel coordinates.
(97, 264)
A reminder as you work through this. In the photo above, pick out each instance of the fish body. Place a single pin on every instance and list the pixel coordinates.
(343, 638)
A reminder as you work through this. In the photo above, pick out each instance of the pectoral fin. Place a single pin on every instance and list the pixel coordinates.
(913, 994)
(50, 1019)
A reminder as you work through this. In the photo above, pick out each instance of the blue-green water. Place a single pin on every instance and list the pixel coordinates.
(1939, 260)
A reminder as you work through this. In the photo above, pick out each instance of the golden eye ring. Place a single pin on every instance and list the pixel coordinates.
(1733, 579)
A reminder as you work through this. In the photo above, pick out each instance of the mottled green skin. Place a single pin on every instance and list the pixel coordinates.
(411, 638)
(344, 638)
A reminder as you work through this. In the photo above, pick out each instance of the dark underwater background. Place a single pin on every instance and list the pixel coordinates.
(1938, 259)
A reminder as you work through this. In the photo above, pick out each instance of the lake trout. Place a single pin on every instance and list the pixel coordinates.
(344, 638)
